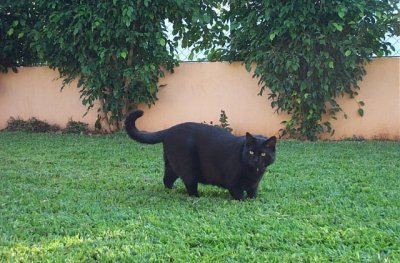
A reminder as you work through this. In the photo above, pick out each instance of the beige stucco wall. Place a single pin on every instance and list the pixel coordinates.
(199, 91)
(36, 92)
(380, 90)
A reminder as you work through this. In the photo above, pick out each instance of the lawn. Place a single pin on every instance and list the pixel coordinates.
(101, 198)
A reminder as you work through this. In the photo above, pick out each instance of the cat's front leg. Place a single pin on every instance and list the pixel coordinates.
(236, 193)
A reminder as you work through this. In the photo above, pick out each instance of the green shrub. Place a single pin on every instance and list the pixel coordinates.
(16, 124)
(308, 54)
(31, 125)
(76, 127)
(223, 122)
(42, 126)
(17, 20)
(118, 62)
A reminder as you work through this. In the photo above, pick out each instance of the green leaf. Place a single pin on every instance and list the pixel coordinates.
(123, 54)
(248, 67)
(347, 53)
(331, 64)
(380, 53)
(338, 27)
(162, 42)
(272, 36)
(361, 103)
(10, 31)
(342, 12)
(76, 30)
(361, 112)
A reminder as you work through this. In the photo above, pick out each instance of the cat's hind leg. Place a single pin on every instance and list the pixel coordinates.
(190, 177)
(191, 187)
(169, 175)
(181, 161)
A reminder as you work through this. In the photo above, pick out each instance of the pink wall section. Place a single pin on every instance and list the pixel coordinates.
(36, 92)
(199, 91)
(380, 90)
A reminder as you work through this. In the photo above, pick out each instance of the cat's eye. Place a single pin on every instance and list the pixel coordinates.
(263, 154)
(251, 152)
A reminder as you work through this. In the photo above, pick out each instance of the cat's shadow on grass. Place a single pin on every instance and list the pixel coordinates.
(157, 193)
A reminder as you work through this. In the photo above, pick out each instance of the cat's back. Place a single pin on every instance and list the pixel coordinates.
(200, 130)
(195, 134)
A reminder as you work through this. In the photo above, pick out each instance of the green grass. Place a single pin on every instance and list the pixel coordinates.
(81, 198)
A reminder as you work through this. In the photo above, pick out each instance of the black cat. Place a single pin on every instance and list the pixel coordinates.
(200, 153)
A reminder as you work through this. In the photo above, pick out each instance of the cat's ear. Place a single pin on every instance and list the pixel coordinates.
(270, 143)
(250, 140)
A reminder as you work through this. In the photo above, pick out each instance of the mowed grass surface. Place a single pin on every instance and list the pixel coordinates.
(81, 198)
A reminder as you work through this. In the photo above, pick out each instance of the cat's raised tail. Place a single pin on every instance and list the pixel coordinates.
(141, 136)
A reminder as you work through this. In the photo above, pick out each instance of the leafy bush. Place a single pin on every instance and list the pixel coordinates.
(76, 127)
(16, 124)
(36, 125)
(223, 122)
(17, 20)
(42, 126)
(310, 53)
(119, 49)
(31, 125)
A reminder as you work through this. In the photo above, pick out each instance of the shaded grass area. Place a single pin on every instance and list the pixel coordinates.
(101, 198)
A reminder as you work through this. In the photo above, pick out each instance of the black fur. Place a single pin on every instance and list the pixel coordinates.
(200, 153)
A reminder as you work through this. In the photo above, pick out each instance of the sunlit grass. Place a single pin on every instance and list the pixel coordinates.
(101, 198)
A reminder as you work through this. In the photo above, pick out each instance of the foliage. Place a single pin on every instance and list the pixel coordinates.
(16, 124)
(17, 17)
(76, 127)
(36, 125)
(223, 121)
(118, 49)
(79, 198)
(31, 125)
(309, 54)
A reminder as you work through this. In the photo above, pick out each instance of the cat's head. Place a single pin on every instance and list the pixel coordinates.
(259, 152)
